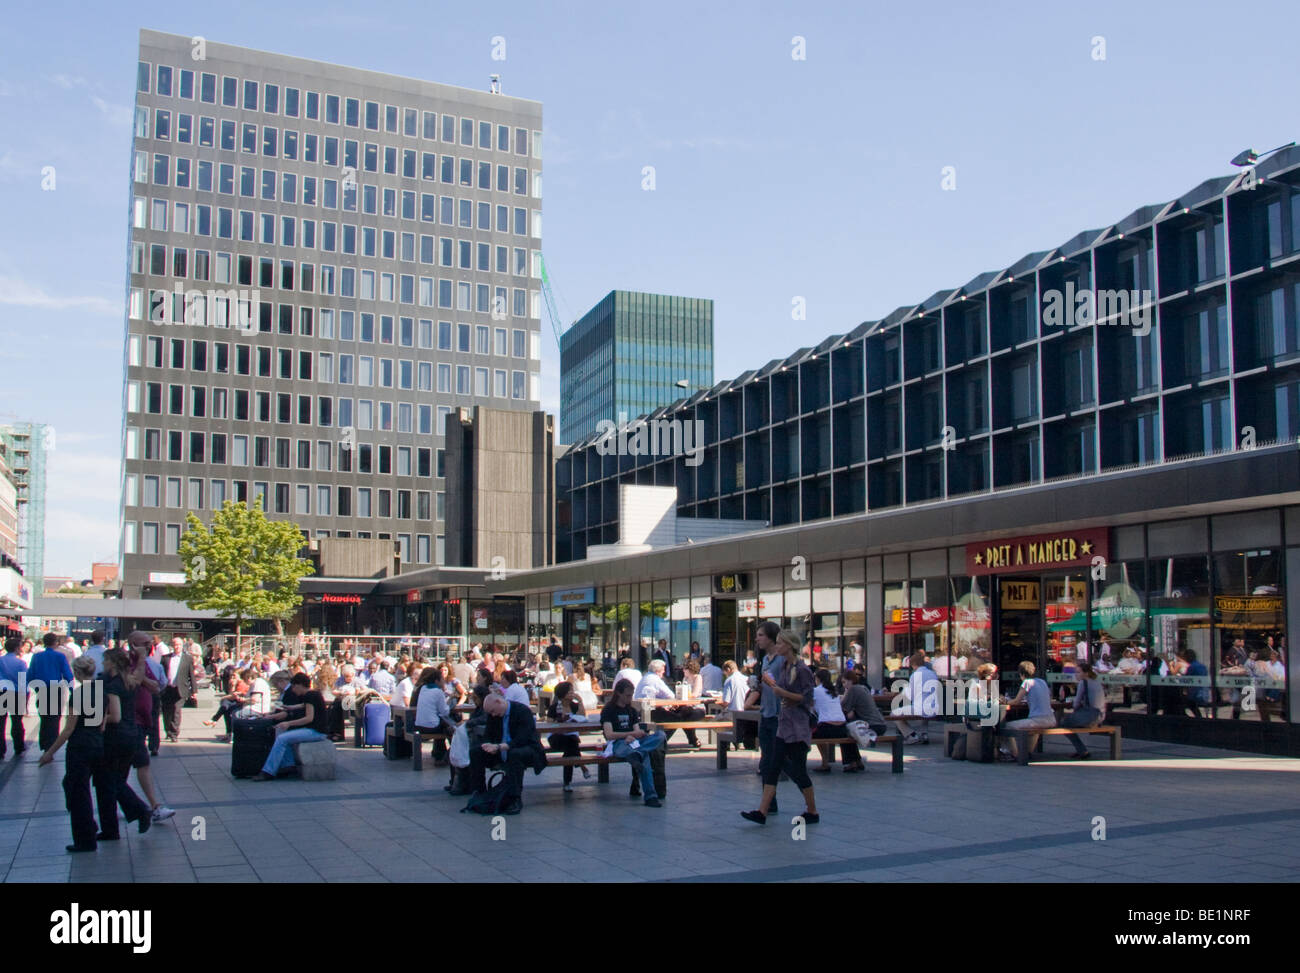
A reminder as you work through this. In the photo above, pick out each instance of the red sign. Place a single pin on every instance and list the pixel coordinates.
(1035, 553)
(412, 596)
(340, 599)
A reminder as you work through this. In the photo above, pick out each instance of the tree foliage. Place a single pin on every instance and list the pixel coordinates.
(242, 566)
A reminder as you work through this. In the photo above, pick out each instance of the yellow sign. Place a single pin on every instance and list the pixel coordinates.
(1020, 596)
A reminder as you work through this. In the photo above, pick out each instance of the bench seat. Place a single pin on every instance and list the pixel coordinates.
(1022, 738)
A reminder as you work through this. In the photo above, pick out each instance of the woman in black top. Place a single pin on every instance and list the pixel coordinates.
(85, 755)
(565, 705)
(120, 742)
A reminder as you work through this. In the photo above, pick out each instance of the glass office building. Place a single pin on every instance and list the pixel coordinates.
(628, 354)
(323, 262)
(1088, 455)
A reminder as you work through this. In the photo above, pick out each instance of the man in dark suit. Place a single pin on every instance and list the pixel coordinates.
(664, 655)
(510, 740)
(178, 667)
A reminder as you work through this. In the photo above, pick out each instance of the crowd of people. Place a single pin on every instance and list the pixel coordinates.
(109, 706)
(312, 693)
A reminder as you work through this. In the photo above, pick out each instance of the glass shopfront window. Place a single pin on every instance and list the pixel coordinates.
(1119, 635)
(1179, 596)
(656, 624)
(929, 613)
(970, 631)
(798, 614)
(1249, 666)
(898, 630)
(854, 639)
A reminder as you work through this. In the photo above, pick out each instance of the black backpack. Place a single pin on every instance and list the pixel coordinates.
(497, 799)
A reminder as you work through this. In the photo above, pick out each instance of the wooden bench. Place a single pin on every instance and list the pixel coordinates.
(708, 726)
(1022, 738)
(895, 741)
(418, 740)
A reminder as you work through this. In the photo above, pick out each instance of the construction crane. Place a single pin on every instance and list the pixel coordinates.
(558, 327)
(552, 312)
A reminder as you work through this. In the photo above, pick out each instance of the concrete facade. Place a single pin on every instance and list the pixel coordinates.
(500, 489)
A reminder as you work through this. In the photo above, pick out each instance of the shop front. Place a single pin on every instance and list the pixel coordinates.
(1186, 621)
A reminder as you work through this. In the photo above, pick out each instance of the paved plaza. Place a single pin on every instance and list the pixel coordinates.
(1172, 814)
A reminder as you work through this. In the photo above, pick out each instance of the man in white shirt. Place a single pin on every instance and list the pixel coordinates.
(652, 686)
(710, 676)
(925, 697)
(630, 672)
(514, 691)
(69, 648)
(382, 681)
(96, 651)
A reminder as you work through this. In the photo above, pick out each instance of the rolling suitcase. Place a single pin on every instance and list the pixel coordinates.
(253, 738)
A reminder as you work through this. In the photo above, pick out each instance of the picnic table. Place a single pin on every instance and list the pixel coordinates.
(895, 740)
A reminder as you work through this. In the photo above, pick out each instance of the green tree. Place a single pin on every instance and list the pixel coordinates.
(242, 566)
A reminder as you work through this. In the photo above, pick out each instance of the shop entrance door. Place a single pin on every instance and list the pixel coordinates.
(1018, 623)
(726, 631)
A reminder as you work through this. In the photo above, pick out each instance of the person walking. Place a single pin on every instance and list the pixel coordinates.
(85, 759)
(769, 709)
(49, 675)
(13, 680)
(120, 743)
(790, 748)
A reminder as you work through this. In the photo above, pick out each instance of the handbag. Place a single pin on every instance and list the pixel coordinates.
(862, 733)
(496, 799)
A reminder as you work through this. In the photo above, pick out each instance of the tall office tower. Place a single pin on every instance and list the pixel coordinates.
(25, 445)
(324, 263)
(632, 353)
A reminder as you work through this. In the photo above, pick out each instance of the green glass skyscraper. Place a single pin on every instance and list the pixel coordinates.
(632, 353)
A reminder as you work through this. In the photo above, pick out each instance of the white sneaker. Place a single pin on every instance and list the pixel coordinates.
(162, 812)
(586, 773)
(911, 738)
(568, 788)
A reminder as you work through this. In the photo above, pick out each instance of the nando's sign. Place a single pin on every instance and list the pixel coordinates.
(1034, 553)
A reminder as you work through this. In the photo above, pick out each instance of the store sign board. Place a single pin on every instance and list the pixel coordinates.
(1033, 553)
(328, 599)
(166, 577)
(573, 596)
(173, 625)
(730, 584)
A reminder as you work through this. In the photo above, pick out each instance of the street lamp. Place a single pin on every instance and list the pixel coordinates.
(1249, 157)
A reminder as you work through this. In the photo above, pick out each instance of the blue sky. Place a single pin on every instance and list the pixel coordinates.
(775, 178)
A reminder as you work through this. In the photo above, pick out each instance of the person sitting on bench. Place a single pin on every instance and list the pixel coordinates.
(510, 741)
(565, 705)
(924, 697)
(1040, 716)
(652, 686)
(631, 741)
(432, 714)
(1089, 706)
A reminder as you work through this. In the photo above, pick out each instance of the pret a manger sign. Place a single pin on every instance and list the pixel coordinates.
(1033, 553)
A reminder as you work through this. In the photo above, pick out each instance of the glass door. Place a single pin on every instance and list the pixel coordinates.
(1019, 628)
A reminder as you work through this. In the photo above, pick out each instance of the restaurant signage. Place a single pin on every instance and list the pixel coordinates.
(340, 599)
(573, 596)
(174, 625)
(1033, 553)
(730, 584)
